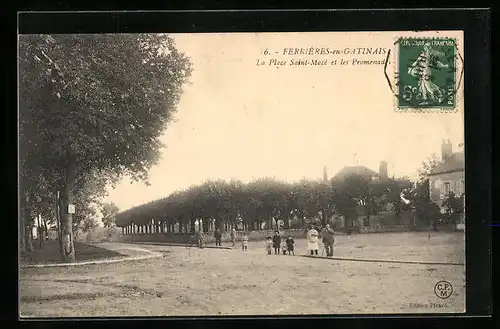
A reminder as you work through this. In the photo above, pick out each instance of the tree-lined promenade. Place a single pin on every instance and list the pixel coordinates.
(264, 200)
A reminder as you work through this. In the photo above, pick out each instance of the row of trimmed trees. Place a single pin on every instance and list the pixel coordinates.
(266, 200)
(92, 109)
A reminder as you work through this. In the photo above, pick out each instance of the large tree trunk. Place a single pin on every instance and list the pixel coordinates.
(29, 241)
(68, 250)
(347, 222)
(286, 221)
(220, 224)
(192, 224)
(22, 225)
(45, 228)
(58, 221)
(205, 224)
(40, 231)
(28, 234)
(324, 216)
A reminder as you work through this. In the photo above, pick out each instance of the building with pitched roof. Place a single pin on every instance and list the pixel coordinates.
(362, 171)
(448, 176)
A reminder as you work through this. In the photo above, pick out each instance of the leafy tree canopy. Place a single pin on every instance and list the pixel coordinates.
(100, 100)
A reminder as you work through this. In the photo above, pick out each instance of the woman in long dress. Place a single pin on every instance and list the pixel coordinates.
(427, 61)
(312, 241)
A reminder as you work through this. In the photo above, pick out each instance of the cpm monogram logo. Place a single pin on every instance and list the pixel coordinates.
(443, 289)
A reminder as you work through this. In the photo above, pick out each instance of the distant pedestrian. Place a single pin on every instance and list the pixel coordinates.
(312, 241)
(199, 238)
(244, 242)
(269, 245)
(290, 245)
(277, 242)
(233, 237)
(218, 237)
(328, 239)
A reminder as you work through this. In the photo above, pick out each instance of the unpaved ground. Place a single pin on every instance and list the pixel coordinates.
(231, 282)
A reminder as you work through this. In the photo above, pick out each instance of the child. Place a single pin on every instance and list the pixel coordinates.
(289, 245)
(244, 242)
(284, 248)
(269, 245)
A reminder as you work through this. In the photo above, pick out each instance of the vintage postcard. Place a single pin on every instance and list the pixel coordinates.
(222, 174)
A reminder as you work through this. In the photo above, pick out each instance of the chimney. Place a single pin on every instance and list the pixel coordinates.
(325, 174)
(446, 149)
(382, 170)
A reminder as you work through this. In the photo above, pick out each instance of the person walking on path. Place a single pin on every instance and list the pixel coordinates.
(312, 241)
(199, 238)
(218, 237)
(289, 245)
(244, 242)
(328, 240)
(233, 237)
(277, 242)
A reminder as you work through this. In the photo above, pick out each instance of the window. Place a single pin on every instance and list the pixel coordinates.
(446, 189)
(460, 188)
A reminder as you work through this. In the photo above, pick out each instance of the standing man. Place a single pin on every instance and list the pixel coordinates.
(277, 242)
(233, 236)
(328, 240)
(218, 237)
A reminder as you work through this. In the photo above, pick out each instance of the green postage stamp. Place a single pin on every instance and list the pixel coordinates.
(427, 73)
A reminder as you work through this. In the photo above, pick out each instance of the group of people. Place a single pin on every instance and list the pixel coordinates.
(328, 238)
(285, 246)
(218, 237)
(276, 243)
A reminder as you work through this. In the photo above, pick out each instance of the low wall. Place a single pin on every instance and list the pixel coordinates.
(209, 237)
(261, 235)
(388, 229)
(383, 229)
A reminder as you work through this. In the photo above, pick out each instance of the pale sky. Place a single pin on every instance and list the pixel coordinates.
(237, 120)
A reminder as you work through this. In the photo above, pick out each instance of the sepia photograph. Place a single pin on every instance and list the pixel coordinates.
(259, 174)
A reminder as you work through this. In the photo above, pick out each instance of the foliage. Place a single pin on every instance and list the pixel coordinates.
(453, 206)
(419, 194)
(262, 200)
(89, 224)
(102, 99)
(109, 212)
(429, 213)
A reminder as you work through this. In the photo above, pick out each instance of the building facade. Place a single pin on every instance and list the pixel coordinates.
(448, 176)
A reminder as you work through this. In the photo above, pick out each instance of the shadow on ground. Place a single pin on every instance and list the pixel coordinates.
(50, 254)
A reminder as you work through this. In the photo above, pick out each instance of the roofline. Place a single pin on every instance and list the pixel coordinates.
(446, 172)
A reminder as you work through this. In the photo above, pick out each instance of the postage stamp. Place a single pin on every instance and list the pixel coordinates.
(427, 73)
